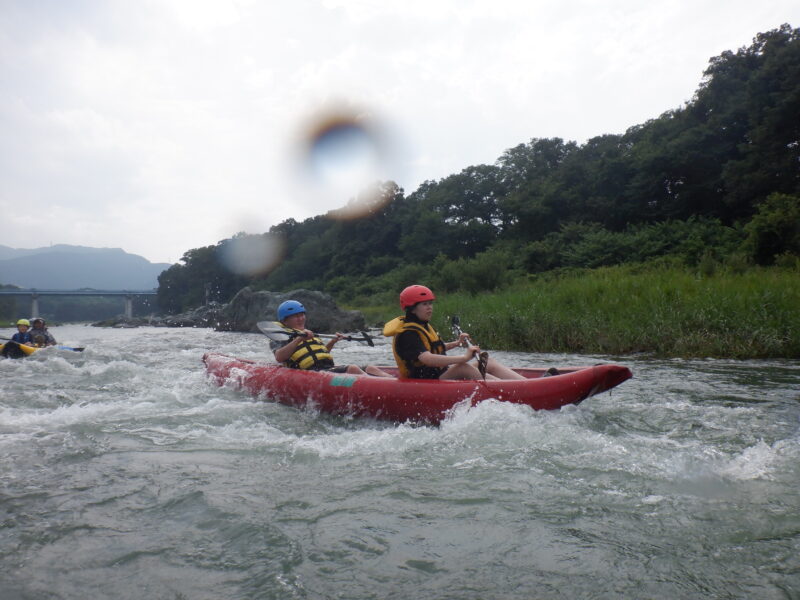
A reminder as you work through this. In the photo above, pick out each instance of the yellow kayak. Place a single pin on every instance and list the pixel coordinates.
(12, 349)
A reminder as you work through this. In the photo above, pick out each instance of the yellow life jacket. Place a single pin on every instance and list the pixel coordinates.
(427, 334)
(310, 354)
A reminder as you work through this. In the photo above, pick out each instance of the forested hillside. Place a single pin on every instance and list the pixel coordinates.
(714, 181)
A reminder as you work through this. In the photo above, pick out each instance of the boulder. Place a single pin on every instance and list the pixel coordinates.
(248, 308)
(209, 315)
(204, 316)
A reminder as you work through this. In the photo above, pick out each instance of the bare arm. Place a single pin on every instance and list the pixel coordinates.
(430, 359)
(333, 341)
(463, 339)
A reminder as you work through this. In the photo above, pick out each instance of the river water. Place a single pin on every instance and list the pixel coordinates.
(126, 474)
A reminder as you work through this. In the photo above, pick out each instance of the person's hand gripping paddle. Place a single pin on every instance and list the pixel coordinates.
(483, 356)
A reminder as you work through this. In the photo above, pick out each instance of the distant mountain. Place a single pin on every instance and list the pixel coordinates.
(63, 267)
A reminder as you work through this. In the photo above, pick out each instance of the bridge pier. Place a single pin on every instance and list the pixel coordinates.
(34, 306)
(129, 295)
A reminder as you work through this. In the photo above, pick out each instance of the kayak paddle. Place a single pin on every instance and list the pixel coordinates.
(274, 331)
(483, 356)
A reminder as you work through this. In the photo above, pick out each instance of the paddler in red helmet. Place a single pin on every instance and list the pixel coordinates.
(421, 354)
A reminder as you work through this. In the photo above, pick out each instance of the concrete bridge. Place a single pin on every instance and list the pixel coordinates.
(34, 294)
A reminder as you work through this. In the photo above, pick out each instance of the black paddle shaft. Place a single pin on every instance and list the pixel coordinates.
(270, 329)
(483, 357)
(455, 323)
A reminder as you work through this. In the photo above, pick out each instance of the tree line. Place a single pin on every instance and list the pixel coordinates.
(716, 180)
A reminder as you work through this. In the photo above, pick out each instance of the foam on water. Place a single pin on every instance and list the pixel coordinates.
(764, 461)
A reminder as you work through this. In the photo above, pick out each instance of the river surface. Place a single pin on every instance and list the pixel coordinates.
(125, 474)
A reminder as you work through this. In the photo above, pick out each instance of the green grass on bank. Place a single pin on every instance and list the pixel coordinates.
(621, 310)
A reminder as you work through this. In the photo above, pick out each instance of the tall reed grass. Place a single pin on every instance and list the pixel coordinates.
(628, 309)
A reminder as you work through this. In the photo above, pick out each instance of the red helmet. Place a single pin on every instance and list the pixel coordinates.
(413, 294)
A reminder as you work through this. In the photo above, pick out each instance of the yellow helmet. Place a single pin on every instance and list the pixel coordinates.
(24, 322)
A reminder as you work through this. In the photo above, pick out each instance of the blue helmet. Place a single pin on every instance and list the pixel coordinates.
(289, 308)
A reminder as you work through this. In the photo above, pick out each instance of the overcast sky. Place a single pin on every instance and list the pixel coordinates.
(165, 125)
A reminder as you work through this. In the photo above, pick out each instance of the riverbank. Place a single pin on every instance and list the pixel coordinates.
(668, 312)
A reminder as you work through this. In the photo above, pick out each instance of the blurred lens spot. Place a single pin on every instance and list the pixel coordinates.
(252, 254)
(341, 156)
(343, 152)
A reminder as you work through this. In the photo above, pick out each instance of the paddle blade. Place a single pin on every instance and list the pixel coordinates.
(270, 326)
(367, 338)
(273, 330)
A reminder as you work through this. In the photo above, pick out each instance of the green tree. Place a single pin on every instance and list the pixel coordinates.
(774, 230)
(183, 286)
(769, 151)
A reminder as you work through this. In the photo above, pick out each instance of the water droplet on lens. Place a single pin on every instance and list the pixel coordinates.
(252, 254)
(341, 155)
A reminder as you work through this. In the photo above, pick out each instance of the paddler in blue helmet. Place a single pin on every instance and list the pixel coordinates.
(303, 350)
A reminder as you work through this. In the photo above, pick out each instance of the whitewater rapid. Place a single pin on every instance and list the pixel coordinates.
(126, 474)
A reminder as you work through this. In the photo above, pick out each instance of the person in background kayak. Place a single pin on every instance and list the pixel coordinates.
(303, 350)
(23, 336)
(421, 354)
(40, 336)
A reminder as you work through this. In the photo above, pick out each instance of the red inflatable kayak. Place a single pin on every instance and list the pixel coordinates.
(420, 400)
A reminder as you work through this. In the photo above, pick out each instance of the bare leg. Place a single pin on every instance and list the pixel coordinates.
(501, 371)
(376, 372)
(461, 371)
(354, 370)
